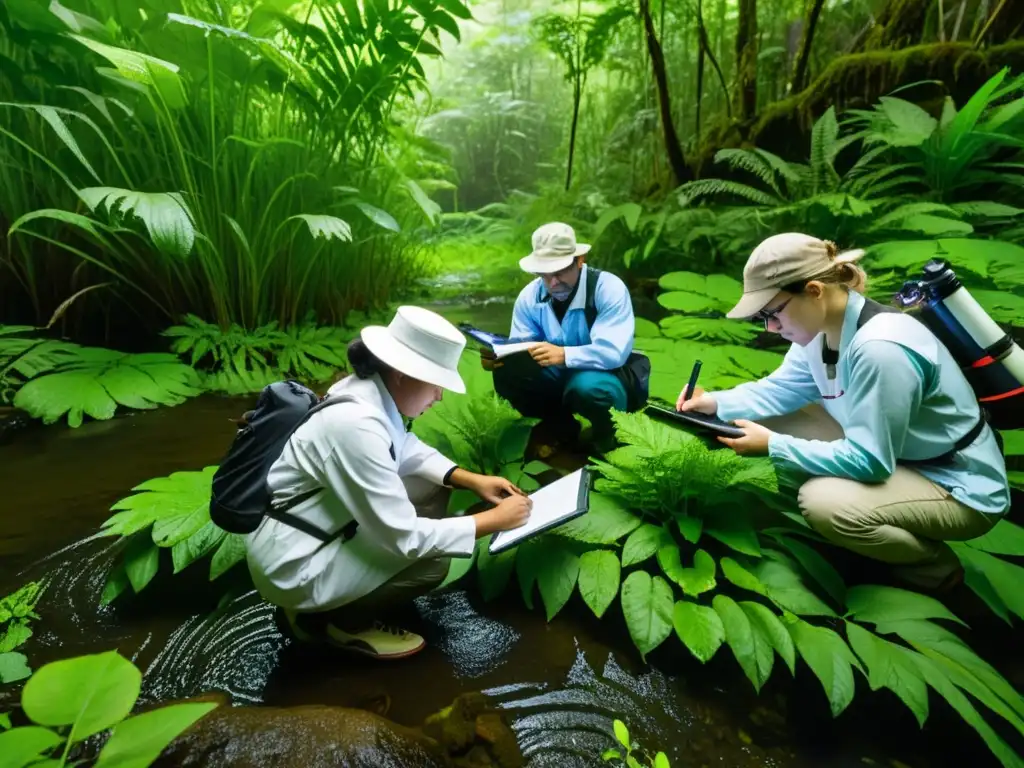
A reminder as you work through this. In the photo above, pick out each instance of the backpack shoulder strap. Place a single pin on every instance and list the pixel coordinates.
(872, 309)
(590, 305)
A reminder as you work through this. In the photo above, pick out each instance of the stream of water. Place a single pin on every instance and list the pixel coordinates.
(560, 683)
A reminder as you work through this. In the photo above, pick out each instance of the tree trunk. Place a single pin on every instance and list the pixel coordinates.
(803, 58)
(577, 95)
(746, 60)
(899, 25)
(672, 145)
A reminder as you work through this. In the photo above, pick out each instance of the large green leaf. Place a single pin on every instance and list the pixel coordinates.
(934, 675)
(606, 522)
(785, 586)
(88, 693)
(198, 545)
(494, 571)
(754, 654)
(889, 666)
(231, 551)
(695, 580)
(736, 532)
(643, 543)
(692, 292)
(166, 217)
(13, 667)
(831, 660)
(712, 329)
(877, 604)
(138, 741)
(100, 380)
(1005, 538)
(599, 579)
(1002, 577)
(556, 578)
(141, 561)
(25, 745)
(162, 76)
(699, 627)
(326, 227)
(820, 569)
(177, 506)
(770, 628)
(647, 606)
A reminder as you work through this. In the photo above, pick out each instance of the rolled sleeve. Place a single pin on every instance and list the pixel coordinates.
(889, 388)
(361, 472)
(789, 388)
(612, 333)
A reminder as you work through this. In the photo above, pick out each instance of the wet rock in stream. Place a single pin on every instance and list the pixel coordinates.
(468, 734)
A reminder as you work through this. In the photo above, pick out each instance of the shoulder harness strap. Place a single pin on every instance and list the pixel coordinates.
(873, 309)
(590, 305)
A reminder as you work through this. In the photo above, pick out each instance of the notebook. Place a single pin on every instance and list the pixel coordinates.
(692, 419)
(553, 505)
(495, 341)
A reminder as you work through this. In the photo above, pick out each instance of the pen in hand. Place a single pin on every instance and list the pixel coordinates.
(691, 384)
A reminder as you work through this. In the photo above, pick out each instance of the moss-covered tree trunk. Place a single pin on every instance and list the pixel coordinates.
(746, 60)
(672, 146)
(899, 25)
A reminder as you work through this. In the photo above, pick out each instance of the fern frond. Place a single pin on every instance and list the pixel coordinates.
(710, 187)
(751, 162)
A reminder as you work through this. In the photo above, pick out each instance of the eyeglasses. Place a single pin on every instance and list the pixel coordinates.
(770, 314)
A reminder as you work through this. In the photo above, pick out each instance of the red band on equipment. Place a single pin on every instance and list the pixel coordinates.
(987, 360)
(1003, 396)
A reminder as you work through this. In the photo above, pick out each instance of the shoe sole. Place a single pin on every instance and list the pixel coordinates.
(376, 656)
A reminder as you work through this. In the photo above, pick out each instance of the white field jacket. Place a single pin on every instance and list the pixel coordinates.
(346, 449)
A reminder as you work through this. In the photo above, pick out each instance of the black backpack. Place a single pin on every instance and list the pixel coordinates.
(241, 498)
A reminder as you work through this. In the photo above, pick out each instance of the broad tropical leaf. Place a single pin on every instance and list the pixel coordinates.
(165, 215)
(693, 293)
(694, 581)
(556, 577)
(784, 585)
(643, 543)
(831, 660)
(327, 227)
(877, 604)
(99, 380)
(606, 522)
(600, 574)
(890, 666)
(647, 606)
(752, 651)
(699, 628)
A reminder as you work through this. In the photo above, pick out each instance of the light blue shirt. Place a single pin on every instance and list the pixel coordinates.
(901, 394)
(604, 347)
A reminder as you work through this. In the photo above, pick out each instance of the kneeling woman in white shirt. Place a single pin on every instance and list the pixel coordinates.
(910, 463)
(382, 488)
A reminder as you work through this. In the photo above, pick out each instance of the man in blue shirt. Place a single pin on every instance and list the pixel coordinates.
(584, 362)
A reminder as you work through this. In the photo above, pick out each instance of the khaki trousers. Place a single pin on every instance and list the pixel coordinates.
(401, 589)
(903, 521)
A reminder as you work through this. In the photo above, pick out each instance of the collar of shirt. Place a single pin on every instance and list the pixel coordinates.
(854, 304)
(579, 301)
(375, 394)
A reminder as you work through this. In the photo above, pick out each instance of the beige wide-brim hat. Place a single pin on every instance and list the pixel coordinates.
(421, 344)
(554, 249)
(782, 260)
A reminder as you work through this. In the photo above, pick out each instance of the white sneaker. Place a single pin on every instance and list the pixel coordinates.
(379, 642)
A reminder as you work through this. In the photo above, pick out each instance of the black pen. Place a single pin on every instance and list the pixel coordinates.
(688, 392)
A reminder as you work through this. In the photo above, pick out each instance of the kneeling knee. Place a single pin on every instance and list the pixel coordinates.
(821, 504)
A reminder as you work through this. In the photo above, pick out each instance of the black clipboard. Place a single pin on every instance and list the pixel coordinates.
(699, 420)
(486, 338)
(505, 540)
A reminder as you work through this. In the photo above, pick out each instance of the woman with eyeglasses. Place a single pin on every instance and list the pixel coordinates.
(902, 459)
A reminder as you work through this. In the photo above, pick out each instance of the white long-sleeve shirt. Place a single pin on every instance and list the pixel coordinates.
(346, 449)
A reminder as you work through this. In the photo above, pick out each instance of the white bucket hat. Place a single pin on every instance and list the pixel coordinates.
(421, 344)
(554, 248)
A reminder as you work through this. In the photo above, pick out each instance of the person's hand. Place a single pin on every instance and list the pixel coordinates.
(512, 512)
(754, 441)
(489, 361)
(699, 402)
(548, 354)
(494, 489)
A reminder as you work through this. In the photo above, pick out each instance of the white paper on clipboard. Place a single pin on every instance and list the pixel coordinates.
(555, 504)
